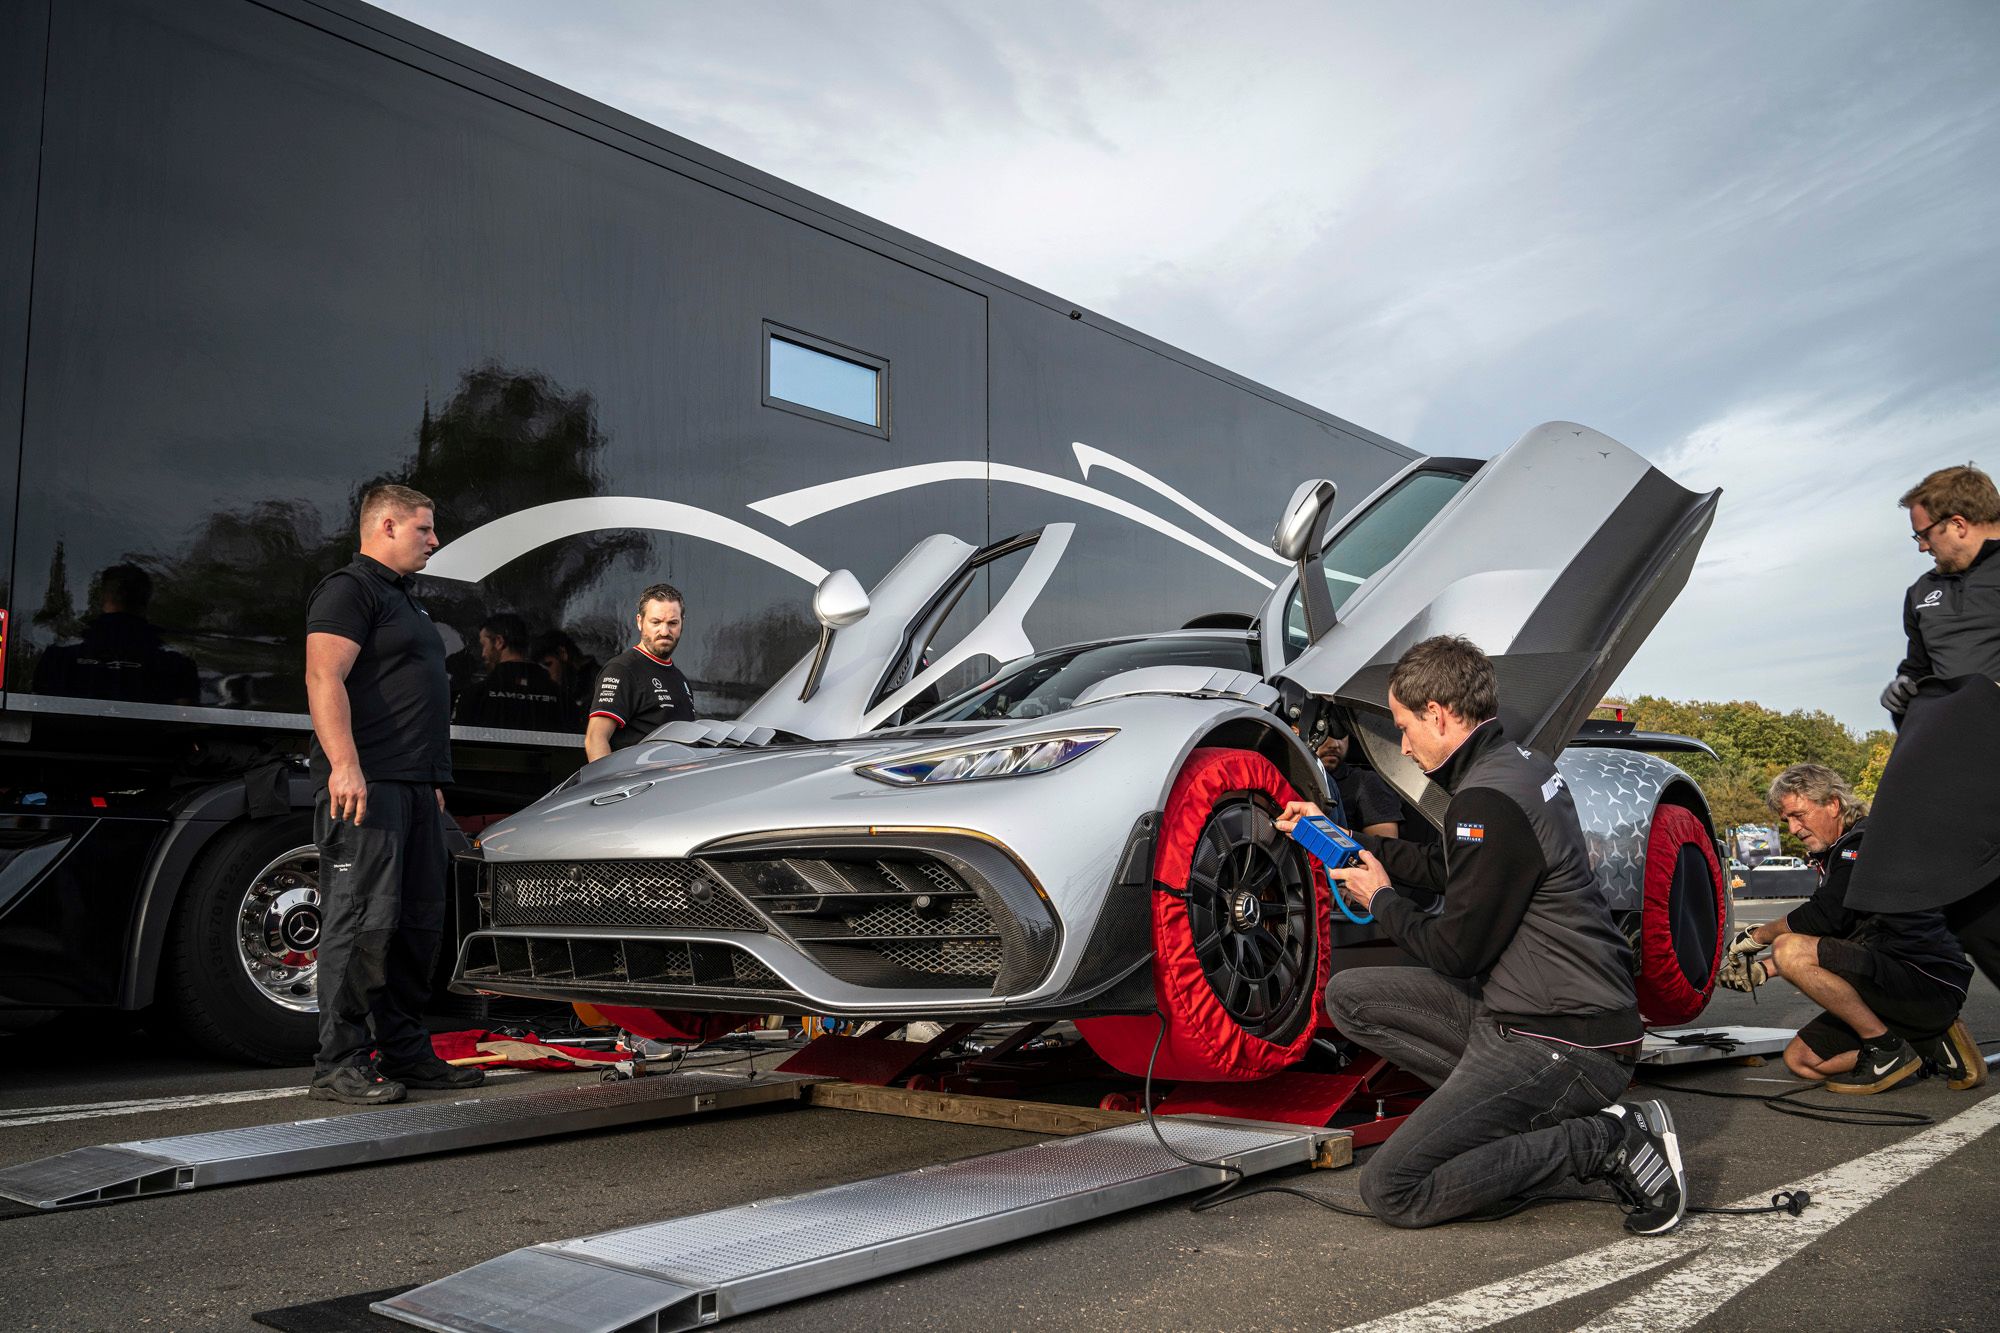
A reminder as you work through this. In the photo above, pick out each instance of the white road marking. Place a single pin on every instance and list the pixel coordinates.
(1732, 1252)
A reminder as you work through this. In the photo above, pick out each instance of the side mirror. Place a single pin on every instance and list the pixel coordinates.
(1293, 538)
(840, 600)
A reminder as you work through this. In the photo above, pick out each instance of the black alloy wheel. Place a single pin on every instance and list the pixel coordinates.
(1250, 910)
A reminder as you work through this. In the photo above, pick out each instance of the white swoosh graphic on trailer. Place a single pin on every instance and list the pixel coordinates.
(486, 548)
(811, 501)
(1088, 457)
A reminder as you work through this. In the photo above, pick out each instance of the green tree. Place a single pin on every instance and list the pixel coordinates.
(1753, 744)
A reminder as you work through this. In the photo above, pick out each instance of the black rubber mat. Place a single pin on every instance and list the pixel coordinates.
(342, 1314)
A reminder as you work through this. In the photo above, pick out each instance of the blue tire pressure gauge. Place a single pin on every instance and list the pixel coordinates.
(1335, 848)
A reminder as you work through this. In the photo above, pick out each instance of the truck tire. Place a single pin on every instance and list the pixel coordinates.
(243, 948)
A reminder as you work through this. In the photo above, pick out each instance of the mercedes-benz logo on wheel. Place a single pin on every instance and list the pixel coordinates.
(1246, 909)
(301, 929)
(622, 794)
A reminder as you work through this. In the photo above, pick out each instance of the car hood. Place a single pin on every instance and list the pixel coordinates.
(664, 798)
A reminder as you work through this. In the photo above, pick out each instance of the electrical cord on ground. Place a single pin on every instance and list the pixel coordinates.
(1152, 1123)
(1880, 1117)
(1792, 1202)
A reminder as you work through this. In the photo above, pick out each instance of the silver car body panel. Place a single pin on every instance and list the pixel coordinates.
(1065, 827)
(1616, 794)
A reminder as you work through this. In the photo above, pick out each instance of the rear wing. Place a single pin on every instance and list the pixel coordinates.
(1603, 733)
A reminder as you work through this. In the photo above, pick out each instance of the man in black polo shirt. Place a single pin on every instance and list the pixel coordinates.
(1523, 1016)
(1891, 985)
(381, 712)
(641, 688)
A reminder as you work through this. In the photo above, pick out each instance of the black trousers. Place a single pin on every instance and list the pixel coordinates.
(1976, 922)
(382, 900)
(1511, 1115)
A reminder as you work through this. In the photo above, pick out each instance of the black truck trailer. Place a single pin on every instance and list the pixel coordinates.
(258, 254)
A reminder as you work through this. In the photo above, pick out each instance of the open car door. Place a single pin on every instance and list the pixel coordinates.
(918, 630)
(1557, 558)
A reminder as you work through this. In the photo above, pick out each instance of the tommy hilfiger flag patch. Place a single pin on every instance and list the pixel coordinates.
(1472, 833)
(1851, 854)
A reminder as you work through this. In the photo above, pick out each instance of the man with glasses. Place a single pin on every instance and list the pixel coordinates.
(1934, 841)
(1952, 613)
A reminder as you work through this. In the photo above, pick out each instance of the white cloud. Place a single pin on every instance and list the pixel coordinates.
(1753, 242)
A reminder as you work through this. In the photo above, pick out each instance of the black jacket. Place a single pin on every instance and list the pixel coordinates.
(1523, 916)
(1953, 621)
(1919, 939)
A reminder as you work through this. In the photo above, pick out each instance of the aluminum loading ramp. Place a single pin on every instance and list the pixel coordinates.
(114, 1171)
(692, 1271)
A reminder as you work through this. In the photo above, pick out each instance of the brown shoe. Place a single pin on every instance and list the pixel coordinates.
(1956, 1056)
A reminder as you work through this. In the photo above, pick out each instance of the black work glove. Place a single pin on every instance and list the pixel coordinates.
(1896, 698)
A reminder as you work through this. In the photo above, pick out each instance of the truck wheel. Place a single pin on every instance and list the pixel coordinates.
(244, 948)
(1239, 932)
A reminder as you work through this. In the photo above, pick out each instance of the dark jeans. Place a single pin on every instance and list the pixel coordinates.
(382, 898)
(1511, 1115)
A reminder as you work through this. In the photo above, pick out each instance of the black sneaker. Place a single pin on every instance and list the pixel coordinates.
(1645, 1167)
(1955, 1056)
(434, 1073)
(1877, 1067)
(357, 1085)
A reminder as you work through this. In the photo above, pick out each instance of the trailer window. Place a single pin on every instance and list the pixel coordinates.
(825, 380)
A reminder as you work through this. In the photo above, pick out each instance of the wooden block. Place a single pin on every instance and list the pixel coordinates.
(993, 1112)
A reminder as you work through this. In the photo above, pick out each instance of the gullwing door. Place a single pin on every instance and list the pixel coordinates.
(907, 642)
(1557, 557)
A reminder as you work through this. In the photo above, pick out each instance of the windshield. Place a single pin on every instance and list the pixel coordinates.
(1049, 683)
(1372, 541)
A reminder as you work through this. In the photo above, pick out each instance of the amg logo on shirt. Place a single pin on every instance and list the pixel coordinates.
(1472, 833)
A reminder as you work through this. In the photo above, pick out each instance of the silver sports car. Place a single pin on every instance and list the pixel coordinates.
(1088, 832)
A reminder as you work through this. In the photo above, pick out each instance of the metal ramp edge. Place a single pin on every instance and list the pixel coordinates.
(111, 1172)
(1683, 1046)
(690, 1271)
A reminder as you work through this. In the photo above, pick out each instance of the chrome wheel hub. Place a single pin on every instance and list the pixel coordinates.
(278, 930)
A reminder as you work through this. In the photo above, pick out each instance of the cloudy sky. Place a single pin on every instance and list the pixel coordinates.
(1755, 241)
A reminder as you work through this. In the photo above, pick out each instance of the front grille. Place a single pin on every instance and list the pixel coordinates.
(607, 965)
(665, 894)
(907, 920)
(891, 916)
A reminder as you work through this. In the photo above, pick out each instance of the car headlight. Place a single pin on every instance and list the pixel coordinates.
(968, 763)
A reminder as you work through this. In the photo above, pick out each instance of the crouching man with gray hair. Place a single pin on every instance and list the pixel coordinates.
(1891, 985)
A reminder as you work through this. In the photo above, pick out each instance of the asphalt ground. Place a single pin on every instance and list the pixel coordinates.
(1916, 1245)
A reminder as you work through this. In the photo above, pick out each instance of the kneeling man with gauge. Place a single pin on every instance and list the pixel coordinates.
(1523, 1016)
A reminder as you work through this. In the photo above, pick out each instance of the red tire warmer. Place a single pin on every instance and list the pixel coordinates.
(1664, 993)
(1203, 1043)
